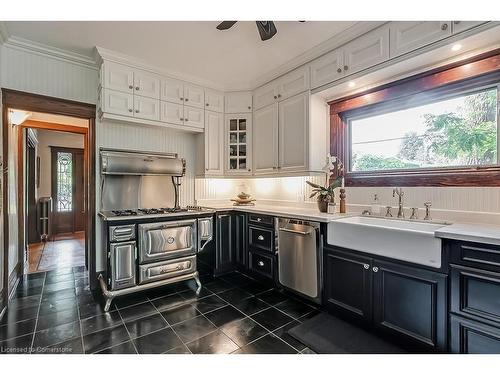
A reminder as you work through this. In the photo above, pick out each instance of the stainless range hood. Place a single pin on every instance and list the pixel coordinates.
(136, 163)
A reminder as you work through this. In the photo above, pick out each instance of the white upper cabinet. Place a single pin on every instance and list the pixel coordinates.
(265, 95)
(459, 26)
(238, 102)
(194, 117)
(117, 77)
(407, 36)
(146, 108)
(146, 84)
(265, 140)
(194, 96)
(214, 101)
(117, 103)
(294, 134)
(327, 68)
(293, 83)
(172, 113)
(366, 51)
(214, 143)
(172, 90)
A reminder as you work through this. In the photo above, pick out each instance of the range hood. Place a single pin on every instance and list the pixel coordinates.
(137, 163)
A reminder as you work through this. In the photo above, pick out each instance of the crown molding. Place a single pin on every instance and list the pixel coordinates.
(4, 33)
(109, 55)
(49, 51)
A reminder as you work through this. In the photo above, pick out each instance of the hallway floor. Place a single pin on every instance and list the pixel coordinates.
(55, 312)
(62, 251)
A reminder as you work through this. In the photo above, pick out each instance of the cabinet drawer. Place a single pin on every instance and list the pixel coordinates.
(468, 337)
(261, 219)
(475, 255)
(260, 239)
(164, 270)
(260, 263)
(475, 293)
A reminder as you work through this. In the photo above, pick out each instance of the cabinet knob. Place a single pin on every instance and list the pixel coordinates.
(444, 26)
(186, 100)
(259, 219)
(136, 111)
(206, 169)
(182, 99)
(130, 109)
(249, 170)
(375, 269)
(249, 107)
(206, 104)
(366, 266)
(260, 238)
(260, 263)
(275, 97)
(137, 87)
(279, 95)
(181, 119)
(346, 67)
(130, 86)
(339, 70)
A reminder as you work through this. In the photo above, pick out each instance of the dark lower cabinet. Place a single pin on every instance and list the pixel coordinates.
(470, 337)
(225, 248)
(241, 234)
(348, 283)
(411, 302)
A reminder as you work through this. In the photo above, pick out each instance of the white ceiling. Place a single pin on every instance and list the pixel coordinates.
(232, 59)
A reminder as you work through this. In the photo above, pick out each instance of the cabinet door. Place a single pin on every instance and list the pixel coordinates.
(265, 139)
(294, 133)
(469, 337)
(367, 51)
(348, 283)
(459, 26)
(194, 117)
(407, 36)
(294, 83)
(194, 96)
(214, 101)
(240, 245)
(146, 108)
(224, 256)
(214, 143)
(118, 77)
(118, 103)
(238, 102)
(172, 91)
(146, 84)
(238, 144)
(327, 68)
(172, 113)
(411, 302)
(265, 95)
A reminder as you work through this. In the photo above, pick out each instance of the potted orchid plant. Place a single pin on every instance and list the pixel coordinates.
(326, 194)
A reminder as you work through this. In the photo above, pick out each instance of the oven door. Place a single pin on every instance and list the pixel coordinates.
(166, 240)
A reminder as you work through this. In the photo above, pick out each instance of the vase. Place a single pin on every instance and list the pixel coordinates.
(323, 205)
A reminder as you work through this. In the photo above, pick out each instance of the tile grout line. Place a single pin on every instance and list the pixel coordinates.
(38, 313)
(128, 333)
(79, 316)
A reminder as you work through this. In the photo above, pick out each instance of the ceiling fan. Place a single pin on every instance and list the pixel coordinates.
(267, 29)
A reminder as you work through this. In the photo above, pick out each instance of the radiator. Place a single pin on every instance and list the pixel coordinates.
(44, 217)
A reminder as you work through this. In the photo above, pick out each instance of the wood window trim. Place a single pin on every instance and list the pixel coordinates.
(483, 69)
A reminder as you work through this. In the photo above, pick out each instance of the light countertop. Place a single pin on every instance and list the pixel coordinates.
(482, 233)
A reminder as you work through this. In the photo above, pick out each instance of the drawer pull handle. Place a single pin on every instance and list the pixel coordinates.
(259, 219)
(366, 266)
(260, 263)
(261, 237)
(375, 269)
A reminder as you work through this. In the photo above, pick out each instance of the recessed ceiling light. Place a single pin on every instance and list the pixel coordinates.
(351, 84)
(456, 47)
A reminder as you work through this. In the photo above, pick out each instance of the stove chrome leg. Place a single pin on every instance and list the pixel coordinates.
(108, 296)
(198, 282)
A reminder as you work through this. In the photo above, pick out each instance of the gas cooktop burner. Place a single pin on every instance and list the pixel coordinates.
(162, 210)
(124, 212)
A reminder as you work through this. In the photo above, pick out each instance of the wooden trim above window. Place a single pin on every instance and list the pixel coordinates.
(480, 70)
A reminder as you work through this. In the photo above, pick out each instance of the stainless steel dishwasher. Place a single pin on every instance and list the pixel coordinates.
(299, 250)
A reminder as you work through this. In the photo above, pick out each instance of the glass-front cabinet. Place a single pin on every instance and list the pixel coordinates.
(238, 140)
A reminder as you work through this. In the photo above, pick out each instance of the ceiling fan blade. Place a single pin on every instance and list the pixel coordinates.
(266, 29)
(224, 25)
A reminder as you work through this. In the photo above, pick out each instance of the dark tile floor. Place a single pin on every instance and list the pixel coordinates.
(55, 312)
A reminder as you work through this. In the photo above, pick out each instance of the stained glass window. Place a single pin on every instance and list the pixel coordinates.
(64, 181)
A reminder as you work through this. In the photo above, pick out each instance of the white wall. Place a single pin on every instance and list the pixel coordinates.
(47, 138)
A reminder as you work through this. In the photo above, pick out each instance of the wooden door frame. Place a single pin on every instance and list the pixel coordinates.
(53, 177)
(46, 104)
